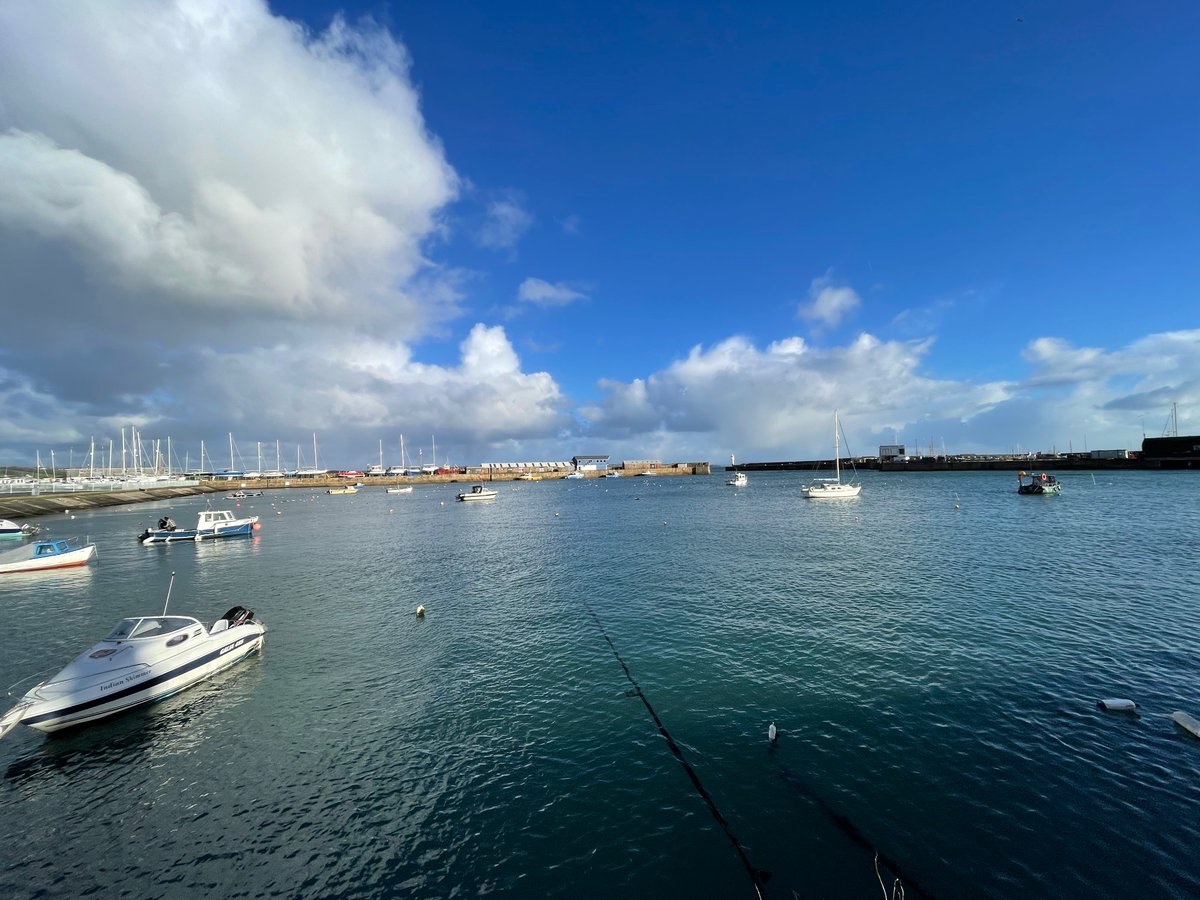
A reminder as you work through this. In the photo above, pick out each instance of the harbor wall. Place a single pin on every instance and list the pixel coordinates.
(26, 506)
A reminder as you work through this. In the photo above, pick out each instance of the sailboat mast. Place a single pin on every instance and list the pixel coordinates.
(837, 450)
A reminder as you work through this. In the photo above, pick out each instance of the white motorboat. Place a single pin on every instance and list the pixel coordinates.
(39, 555)
(407, 489)
(11, 529)
(210, 524)
(144, 658)
(832, 488)
(575, 476)
(738, 480)
(477, 492)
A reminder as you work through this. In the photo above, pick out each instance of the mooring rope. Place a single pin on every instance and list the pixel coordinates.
(853, 832)
(758, 877)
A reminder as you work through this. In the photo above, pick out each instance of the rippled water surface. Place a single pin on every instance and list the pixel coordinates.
(583, 711)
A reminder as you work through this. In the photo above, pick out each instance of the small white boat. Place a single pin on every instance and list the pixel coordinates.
(39, 555)
(144, 658)
(244, 495)
(528, 476)
(573, 476)
(738, 480)
(832, 488)
(400, 490)
(10, 529)
(612, 474)
(210, 524)
(348, 489)
(477, 492)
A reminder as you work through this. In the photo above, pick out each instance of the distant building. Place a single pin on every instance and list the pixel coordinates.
(590, 463)
(1176, 452)
(891, 452)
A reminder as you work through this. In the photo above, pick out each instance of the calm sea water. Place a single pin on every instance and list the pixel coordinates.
(931, 653)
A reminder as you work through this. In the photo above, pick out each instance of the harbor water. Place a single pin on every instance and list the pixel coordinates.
(583, 711)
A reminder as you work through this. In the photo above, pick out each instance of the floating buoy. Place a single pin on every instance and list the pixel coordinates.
(1186, 722)
(1116, 704)
(773, 733)
(420, 612)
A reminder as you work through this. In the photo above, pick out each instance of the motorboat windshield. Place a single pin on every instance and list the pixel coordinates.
(149, 626)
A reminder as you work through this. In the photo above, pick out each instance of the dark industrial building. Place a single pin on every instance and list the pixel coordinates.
(1176, 452)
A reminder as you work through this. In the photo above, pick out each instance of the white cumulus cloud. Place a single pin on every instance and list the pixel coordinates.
(828, 303)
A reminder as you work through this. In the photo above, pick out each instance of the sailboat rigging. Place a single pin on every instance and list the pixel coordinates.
(832, 488)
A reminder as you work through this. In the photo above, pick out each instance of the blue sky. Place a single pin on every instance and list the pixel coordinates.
(671, 231)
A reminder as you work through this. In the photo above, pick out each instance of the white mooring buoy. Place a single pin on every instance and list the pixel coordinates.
(420, 612)
(773, 733)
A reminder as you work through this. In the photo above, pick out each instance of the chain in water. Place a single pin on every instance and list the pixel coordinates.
(757, 876)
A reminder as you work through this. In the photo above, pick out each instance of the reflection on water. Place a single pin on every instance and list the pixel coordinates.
(145, 735)
(931, 653)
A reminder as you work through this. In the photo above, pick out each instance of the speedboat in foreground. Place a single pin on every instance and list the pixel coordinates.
(144, 658)
(11, 529)
(211, 523)
(56, 554)
(478, 492)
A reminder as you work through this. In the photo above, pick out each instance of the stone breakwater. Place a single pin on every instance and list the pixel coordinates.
(26, 506)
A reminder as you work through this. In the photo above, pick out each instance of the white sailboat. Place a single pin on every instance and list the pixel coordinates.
(832, 488)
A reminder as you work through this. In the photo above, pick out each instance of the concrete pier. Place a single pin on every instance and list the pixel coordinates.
(27, 506)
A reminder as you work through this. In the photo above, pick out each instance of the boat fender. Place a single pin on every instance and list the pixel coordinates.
(773, 733)
(1186, 722)
(1116, 705)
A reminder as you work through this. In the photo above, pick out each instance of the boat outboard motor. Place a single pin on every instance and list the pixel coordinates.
(239, 615)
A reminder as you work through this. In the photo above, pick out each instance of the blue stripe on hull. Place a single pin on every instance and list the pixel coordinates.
(240, 531)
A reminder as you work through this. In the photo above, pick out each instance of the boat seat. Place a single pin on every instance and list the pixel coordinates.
(219, 625)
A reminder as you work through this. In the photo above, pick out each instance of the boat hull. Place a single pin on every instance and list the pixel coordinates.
(241, 529)
(831, 491)
(68, 560)
(50, 708)
(166, 537)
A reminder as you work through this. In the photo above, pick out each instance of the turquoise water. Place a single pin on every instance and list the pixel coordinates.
(931, 653)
